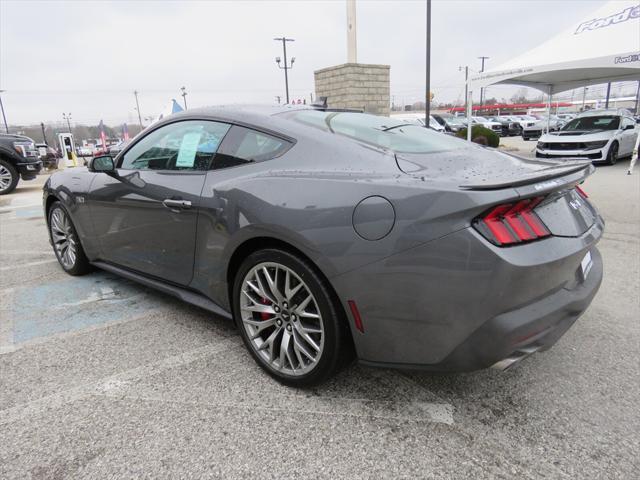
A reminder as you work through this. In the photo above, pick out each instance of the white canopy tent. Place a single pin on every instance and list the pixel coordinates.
(604, 47)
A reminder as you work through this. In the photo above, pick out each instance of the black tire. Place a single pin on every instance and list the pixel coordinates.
(80, 265)
(8, 170)
(337, 349)
(612, 154)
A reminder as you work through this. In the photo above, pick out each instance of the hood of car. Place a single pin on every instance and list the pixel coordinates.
(578, 136)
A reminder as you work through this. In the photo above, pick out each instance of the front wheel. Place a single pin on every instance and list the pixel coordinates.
(8, 177)
(612, 155)
(66, 243)
(288, 318)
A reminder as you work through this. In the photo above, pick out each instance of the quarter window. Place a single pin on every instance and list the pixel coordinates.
(243, 145)
(188, 145)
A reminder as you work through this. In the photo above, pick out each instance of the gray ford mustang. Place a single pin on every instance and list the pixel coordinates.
(325, 234)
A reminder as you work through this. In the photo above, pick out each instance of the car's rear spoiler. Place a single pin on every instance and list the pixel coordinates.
(582, 169)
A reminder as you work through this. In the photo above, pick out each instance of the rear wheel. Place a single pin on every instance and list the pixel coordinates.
(612, 155)
(288, 319)
(8, 177)
(66, 243)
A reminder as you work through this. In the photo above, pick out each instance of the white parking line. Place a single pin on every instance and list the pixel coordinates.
(7, 346)
(119, 386)
(57, 400)
(28, 264)
(17, 207)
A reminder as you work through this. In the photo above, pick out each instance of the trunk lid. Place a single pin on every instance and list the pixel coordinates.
(478, 168)
(564, 211)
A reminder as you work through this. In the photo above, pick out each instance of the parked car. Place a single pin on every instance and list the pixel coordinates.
(485, 122)
(597, 135)
(19, 159)
(536, 130)
(326, 232)
(118, 147)
(451, 123)
(510, 126)
(85, 151)
(566, 116)
(418, 119)
(48, 155)
(525, 120)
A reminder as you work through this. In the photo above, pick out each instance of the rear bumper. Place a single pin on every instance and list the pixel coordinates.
(457, 304)
(531, 134)
(537, 326)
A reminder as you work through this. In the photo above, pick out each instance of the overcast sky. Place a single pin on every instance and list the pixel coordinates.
(87, 57)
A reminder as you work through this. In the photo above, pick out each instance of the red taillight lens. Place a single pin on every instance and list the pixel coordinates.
(582, 193)
(510, 223)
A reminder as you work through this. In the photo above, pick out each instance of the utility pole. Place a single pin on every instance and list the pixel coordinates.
(352, 45)
(135, 93)
(286, 66)
(67, 117)
(427, 100)
(4, 118)
(466, 90)
(584, 96)
(44, 136)
(184, 96)
(482, 59)
(606, 101)
(638, 99)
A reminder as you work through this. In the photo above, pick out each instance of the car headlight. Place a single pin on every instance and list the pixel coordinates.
(598, 144)
(541, 145)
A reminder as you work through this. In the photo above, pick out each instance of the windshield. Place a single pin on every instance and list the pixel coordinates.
(384, 132)
(609, 122)
(454, 121)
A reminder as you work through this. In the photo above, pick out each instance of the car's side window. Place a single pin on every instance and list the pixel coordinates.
(187, 145)
(626, 121)
(243, 145)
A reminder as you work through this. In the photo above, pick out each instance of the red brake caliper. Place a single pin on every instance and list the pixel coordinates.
(265, 315)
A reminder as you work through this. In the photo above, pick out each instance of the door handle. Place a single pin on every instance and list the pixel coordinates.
(172, 204)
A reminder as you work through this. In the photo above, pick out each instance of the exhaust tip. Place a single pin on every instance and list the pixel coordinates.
(514, 358)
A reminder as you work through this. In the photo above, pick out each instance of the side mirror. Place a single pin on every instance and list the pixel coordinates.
(629, 127)
(103, 164)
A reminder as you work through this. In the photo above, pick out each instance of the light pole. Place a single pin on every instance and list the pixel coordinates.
(67, 117)
(4, 118)
(44, 135)
(286, 66)
(427, 100)
(482, 59)
(584, 96)
(135, 93)
(466, 90)
(184, 96)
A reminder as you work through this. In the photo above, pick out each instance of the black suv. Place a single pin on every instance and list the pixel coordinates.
(18, 158)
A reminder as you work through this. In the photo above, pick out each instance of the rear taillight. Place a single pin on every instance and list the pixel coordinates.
(512, 223)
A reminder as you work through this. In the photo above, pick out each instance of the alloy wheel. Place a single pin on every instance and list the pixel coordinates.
(63, 238)
(281, 318)
(5, 178)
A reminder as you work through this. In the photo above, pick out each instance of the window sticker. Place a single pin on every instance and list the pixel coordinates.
(188, 150)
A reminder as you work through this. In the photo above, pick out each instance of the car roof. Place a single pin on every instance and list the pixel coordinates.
(608, 112)
(14, 136)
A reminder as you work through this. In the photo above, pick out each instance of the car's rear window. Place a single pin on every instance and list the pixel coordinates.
(396, 135)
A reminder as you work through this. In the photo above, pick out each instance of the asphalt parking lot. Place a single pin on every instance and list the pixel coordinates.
(102, 378)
